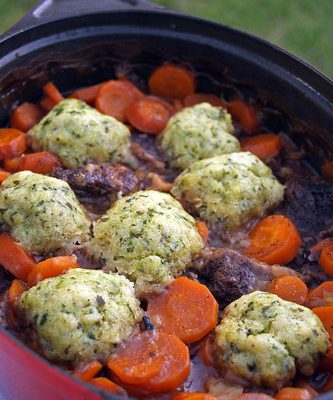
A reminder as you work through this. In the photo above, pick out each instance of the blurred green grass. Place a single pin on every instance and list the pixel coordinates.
(304, 27)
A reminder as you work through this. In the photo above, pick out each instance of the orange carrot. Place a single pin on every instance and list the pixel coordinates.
(254, 396)
(87, 94)
(274, 240)
(115, 97)
(186, 309)
(12, 142)
(14, 259)
(193, 396)
(25, 116)
(87, 371)
(173, 81)
(326, 258)
(155, 361)
(325, 314)
(12, 164)
(303, 384)
(42, 162)
(197, 98)
(149, 114)
(292, 393)
(46, 104)
(108, 386)
(17, 288)
(3, 175)
(265, 146)
(290, 288)
(52, 92)
(203, 230)
(321, 295)
(206, 351)
(50, 268)
(244, 114)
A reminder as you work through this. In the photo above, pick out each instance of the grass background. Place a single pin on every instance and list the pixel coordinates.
(303, 27)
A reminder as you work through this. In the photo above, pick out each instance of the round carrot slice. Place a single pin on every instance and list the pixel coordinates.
(292, 393)
(4, 175)
(274, 240)
(186, 309)
(149, 114)
(173, 81)
(17, 288)
(264, 146)
(52, 93)
(197, 98)
(155, 361)
(326, 258)
(25, 116)
(87, 371)
(193, 396)
(50, 268)
(115, 97)
(244, 114)
(42, 162)
(290, 288)
(325, 314)
(108, 386)
(87, 94)
(12, 143)
(203, 230)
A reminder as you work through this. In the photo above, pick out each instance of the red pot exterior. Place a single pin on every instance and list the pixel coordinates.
(23, 376)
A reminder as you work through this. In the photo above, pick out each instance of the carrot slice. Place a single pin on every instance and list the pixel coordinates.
(193, 396)
(15, 291)
(292, 393)
(87, 94)
(290, 288)
(108, 386)
(173, 81)
(50, 268)
(25, 116)
(254, 396)
(87, 371)
(197, 98)
(264, 146)
(186, 309)
(42, 162)
(115, 97)
(322, 295)
(326, 258)
(155, 361)
(12, 142)
(244, 114)
(203, 230)
(3, 175)
(274, 240)
(206, 351)
(12, 164)
(325, 314)
(14, 259)
(46, 104)
(150, 114)
(52, 92)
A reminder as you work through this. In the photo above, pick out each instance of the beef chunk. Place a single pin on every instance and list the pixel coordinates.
(309, 204)
(229, 274)
(99, 179)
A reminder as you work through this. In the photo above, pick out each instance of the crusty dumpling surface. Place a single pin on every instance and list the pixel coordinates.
(148, 237)
(42, 213)
(228, 190)
(264, 339)
(79, 134)
(80, 315)
(198, 132)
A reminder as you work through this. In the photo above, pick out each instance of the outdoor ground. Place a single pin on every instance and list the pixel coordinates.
(303, 27)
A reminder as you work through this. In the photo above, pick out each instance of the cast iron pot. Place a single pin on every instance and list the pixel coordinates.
(82, 42)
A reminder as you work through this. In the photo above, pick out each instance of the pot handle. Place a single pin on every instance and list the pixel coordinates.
(50, 10)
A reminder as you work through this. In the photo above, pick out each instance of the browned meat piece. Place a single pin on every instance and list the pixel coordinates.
(144, 155)
(99, 179)
(309, 204)
(229, 274)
